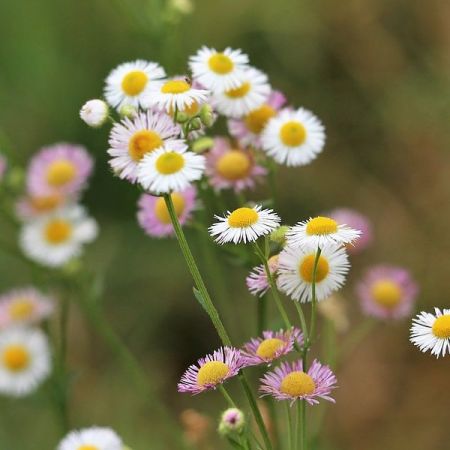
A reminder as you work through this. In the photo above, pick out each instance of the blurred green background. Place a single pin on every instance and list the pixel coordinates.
(375, 71)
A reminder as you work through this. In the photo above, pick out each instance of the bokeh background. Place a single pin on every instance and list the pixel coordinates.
(375, 71)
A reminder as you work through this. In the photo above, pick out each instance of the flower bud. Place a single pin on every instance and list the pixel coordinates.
(232, 420)
(279, 235)
(195, 124)
(207, 115)
(94, 113)
(128, 111)
(182, 117)
(202, 144)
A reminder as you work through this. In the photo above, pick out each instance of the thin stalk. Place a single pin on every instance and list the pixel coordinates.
(227, 396)
(290, 436)
(261, 313)
(302, 424)
(62, 364)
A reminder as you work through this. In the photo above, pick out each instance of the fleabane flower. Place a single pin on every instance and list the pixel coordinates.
(232, 168)
(54, 239)
(170, 168)
(218, 71)
(30, 207)
(293, 137)
(94, 438)
(154, 217)
(24, 360)
(320, 231)
(272, 345)
(244, 225)
(94, 113)
(211, 371)
(290, 382)
(59, 169)
(296, 270)
(387, 292)
(132, 139)
(432, 332)
(132, 83)
(257, 282)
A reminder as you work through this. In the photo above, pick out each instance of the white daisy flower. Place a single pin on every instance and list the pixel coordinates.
(24, 360)
(131, 83)
(54, 239)
(94, 438)
(296, 267)
(170, 168)
(293, 138)
(218, 71)
(432, 332)
(94, 113)
(320, 231)
(244, 225)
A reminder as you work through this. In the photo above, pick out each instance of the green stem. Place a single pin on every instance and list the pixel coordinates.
(261, 313)
(62, 364)
(227, 396)
(314, 297)
(302, 423)
(290, 436)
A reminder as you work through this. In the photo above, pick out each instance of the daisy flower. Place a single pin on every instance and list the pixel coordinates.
(59, 169)
(296, 268)
(132, 83)
(273, 345)
(432, 332)
(251, 93)
(293, 138)
(257, 282)
(244, 225)
(94, 113)
(24, 360)
(290, 382)
(170, 168)
(320, 231)
(153, 215)
(131, 139)
(211, 371)
(94, 438)
(29, 207)
(54, 239)
(387, 292)
(218, 71)
(232, 168)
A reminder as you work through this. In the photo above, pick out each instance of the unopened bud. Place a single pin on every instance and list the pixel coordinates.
(128, 111)
(94, 113)
(195, 124)
(207, 115)
(232, 421)
(279, 235)
(202, 144)
(182, 117)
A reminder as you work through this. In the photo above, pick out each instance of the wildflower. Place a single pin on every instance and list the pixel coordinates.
(257, 282)
(232, 421)
(94, 113)
(94, 438)
(30, 207)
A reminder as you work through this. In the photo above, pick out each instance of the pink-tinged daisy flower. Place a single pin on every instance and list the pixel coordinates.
(232, 168)
(211, 371)
(59, 169)
(153, 215)
(132, 139)
(257, 282)
(93, 438)
(273, 345)
(290, 382)
(387, 292)
(247, 130)
(30, 207)
(24, 306)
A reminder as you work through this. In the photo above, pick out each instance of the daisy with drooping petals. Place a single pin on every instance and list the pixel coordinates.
(131, 140)
(132, 83)
(257, 282)
(54, 239)
(59, 169)
(170, 168)
(387, 292)
(290, 382)
(293, 137)
(296, 269)
(228, 167)
(320, 231)
(251, 93)
(218, 71)
(272, 345)
(24, 360)
(94, 438)
(154, 217)
(244, 225)
(211, 371)
(29, 207)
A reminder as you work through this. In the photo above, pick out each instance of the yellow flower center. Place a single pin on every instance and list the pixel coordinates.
(306, 268)
(234, 165)
(239, 92)
(21, 309)
(175, 87)
(213, 372)
(143, 142)
(16, 357)
(134, 82)
(441, 327)
(242, 218)
(292, 134)
(58, 231)
(45, 203)
(268, 348)
(256, 120)
(321, 225)
(88, 447)
(220, 63)
(162, 212)
(61, 172)
(297, 384)
(169, 163)
(387, 293)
